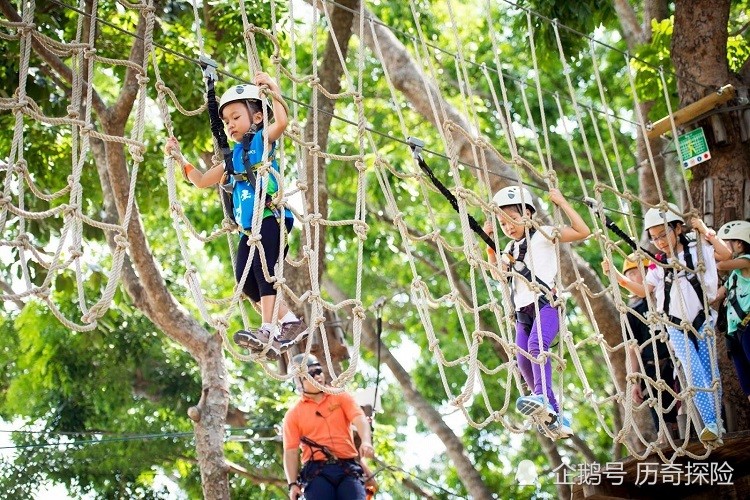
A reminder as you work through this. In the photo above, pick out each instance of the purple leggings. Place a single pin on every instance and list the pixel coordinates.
(532, 372)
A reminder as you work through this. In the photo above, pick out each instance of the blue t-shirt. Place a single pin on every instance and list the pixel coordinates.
(243, 192)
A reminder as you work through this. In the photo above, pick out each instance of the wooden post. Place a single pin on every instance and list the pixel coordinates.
(684, 115)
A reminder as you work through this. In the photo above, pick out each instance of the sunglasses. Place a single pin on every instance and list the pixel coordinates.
(315, 372)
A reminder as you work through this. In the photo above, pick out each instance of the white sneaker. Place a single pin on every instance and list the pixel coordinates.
(709, 433)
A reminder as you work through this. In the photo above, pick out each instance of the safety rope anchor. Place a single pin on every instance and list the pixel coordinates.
(209, 67)
(416, 146)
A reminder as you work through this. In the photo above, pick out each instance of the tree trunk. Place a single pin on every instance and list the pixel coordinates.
(147, 288)
(718, 187)
(454, 447)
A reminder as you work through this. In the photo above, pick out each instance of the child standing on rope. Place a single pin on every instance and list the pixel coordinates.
(679, 285)
(534, 262)
(241, 108)
(651, 351)
(737, 289)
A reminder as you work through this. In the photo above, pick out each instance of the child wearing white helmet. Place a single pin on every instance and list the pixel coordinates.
(534, 266)
(737, 289)
(650, 358)
(678, 286)
(241, 108)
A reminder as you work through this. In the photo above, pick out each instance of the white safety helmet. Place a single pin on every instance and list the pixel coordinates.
(244, 92)
(735, 230)
(656, 217)
(514, 195)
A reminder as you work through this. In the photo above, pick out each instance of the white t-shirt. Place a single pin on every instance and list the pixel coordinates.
(682, 291)
(541, 260)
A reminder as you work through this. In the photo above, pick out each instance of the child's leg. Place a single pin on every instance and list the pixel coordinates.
(270, 236)
(549, 323)
(524, 364)
(250, 287)
(707, 346)
(744, 357)
(694, 373)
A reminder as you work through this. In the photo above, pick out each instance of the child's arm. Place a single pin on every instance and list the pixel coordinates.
(633, 287)
(722, 251)
(199, 179)
(491, 254)
(729, 265)
(578, 229)
(280, 118)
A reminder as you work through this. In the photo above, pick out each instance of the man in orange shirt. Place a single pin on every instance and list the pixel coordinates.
(320, 424)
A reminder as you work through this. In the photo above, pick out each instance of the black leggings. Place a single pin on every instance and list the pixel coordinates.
(256, 285)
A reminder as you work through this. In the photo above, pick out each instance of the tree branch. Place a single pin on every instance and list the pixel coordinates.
(9, 290)
(630, 27)
(54, 62)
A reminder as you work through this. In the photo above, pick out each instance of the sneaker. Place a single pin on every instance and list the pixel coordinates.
(289, 332)
(257, 341)
(536, 406)
(561, 426)
(709, 433)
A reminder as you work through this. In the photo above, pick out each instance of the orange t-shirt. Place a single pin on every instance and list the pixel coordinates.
(327, 423)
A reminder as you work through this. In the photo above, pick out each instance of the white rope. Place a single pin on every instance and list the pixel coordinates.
(430, 239)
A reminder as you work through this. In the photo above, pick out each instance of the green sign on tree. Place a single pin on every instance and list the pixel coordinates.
(693, 148)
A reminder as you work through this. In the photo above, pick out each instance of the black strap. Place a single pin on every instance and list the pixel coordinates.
(619, 232)
(217, 129)
(249, 173)
(732, 297)
(473, 224)
(317, 447)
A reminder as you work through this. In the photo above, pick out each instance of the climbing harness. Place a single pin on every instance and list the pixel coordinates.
(669, 279)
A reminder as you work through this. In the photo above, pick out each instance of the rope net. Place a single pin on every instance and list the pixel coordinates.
(466, 315)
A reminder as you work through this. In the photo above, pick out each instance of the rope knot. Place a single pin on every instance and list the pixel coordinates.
(176, 208)
(253, 239)
(24, 29)
(122, 241)
(71, 209)
(359, 312)
(221, 324)
(136, 152)
(360, 229)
